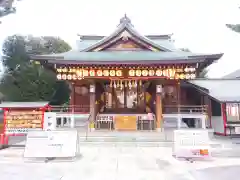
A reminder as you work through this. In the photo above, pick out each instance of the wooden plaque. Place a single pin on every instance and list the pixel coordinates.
(125, 122)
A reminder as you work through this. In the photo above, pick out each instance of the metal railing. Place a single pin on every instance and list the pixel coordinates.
(141, 125)
(71, 108)
(167, 109)
(185, 109)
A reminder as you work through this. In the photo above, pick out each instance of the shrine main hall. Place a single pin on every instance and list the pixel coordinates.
(130, 81)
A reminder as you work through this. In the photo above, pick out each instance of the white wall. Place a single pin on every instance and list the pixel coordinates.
(217, 124)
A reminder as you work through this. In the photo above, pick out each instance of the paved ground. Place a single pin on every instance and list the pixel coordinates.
(96, 162)
(118, 161)
(123, 156)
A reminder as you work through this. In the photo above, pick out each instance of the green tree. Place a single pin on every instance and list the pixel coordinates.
(23, 80)
(30, 83)
(234, 27)
(6, 8)
(15, 54)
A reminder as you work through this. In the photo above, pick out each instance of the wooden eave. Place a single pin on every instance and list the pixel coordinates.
(152, 37)
(204, 60)
(209, 60)
(127, 62)
(203, 91)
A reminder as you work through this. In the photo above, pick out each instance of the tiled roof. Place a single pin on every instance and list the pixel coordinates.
(166, 43)
(126, 57)
(126, 25)
(83, 44)
(224, 90)
(235, 74)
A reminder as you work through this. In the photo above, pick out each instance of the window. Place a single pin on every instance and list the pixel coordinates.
(216, 108)
(170, 95)
(232, 111)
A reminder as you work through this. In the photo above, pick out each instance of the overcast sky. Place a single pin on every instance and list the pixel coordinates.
(196, 24)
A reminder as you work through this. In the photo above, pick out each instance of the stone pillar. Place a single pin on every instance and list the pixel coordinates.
(92, 90)
(159, 116)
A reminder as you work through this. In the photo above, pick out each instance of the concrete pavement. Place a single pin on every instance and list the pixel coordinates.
(116, 161)
(117, 156)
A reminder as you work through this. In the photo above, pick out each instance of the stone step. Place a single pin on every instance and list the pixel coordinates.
(99, 139)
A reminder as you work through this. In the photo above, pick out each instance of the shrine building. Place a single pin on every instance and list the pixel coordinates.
(129, 81)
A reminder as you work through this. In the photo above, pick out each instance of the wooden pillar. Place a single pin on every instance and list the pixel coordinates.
(179, 119)
(72, 96)
(179, 96)
(224, 116)
(159, 116)
(208, 107)
(210, 111)
(72, 106)
(92, 90)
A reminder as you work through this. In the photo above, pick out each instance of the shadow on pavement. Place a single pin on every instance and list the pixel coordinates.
(219, 173)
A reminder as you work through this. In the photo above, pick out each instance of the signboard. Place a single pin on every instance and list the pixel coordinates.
(21, 122)
(191, 143)
(50, 121)
(47, 144)
(159, 88)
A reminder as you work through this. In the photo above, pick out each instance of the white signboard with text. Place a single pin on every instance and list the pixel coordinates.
(50, 121)
(45, 144)
(191, 143)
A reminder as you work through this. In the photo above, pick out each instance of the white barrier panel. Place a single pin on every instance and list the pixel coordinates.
(50, 121)
(51, 144)
(191, 143)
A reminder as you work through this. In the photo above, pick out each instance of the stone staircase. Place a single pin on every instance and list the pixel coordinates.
(122, 136)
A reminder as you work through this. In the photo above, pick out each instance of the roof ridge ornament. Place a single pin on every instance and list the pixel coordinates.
(125, 20)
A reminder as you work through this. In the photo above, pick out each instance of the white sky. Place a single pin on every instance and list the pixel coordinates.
(197, 24)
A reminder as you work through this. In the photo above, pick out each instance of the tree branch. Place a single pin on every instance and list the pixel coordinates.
(234, 27)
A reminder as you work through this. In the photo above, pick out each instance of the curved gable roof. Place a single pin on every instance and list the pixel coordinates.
(126, 25)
